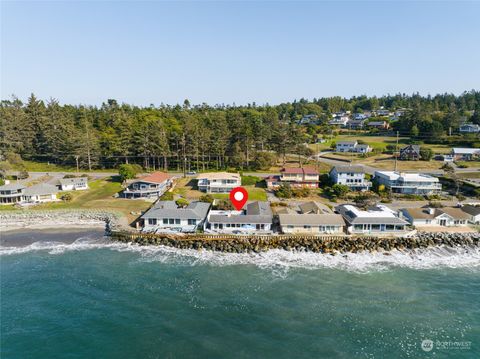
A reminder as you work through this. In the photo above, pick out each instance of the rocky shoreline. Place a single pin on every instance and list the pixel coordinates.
(12, 220)
(323, 244)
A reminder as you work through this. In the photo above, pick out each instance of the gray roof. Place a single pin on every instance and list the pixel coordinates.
(348, 169)
(346, 142)
(311, 219)
(242, 219)
(76, 181)
(40, 189)
(416, 148)
(259, 208)
(309, 207)
(12, 187)
(363, 145)
(473, 210)
(424, 213)
(377, 220)
(169, 209)
(376, 123)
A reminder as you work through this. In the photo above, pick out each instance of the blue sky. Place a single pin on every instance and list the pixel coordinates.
(236, 52)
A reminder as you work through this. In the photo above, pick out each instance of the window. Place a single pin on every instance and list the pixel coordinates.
(192, 222)
(177, 220)
(358, 227)
(171, 221)
(152, 221)
(375, 227)
(307, 227)
(165, 221)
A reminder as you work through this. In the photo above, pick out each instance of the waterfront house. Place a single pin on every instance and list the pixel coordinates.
(255, 218)
(40, 193)
(446, 216)
(469, 128)
(408, 183)
(300, 177)
(150, 186)
(11, 193)
(351, 176)
(465, 154)
(381, 125)
(376, 220)
(73, 184)
(218, 182)
(166, 216)
(311, 223)
(410, 152)
(473, 213)
(352, 146)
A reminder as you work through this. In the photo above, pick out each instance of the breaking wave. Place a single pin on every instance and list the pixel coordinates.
(458, 257)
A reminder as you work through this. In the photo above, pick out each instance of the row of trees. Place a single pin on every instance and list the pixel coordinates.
(194, 137)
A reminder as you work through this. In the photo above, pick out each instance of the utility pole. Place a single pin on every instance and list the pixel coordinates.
(76, 160)
(396, 148)
(184, 157)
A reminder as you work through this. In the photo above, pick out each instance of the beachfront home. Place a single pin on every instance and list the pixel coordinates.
(376, 220)
(351, 176)
(465, 154)
(166, 216)
(218, 182)
(408, 183)
(473, 212)
(446, 216)
(469, 128)
(150, 186)
(11, 193)
(73, 184)
(311, 223)
(255, 218)
(300, 177)
(410, 152)
(352, 146)
(18, 193)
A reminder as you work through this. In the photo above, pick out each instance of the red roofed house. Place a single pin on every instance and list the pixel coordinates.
(300, 177)
(150, 186)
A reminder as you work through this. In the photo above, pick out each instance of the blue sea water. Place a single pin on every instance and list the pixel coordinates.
(76, 295)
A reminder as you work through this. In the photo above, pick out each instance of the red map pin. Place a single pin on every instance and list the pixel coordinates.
(239, 197)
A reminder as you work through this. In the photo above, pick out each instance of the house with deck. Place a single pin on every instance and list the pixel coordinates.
(311, 223)
(218, 182)
(300, 177)
(255, 218)
(408, 183)
(166, 216)
(356, 124)
(445, 217)
(376, 220)
(351, 176)
(151, 186)
(473, 213)
(73, 184)
(352, 146)
(18, 193)
(339, 120)
(465, 154)
(11, 193)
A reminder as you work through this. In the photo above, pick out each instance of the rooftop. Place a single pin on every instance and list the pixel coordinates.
(377, 214)
(407, 177)
(169, 209)
(349, 169)
(465, 151)
(12, 187)
(311, 219)
(40, 189)
(155, 177)
(219, 175)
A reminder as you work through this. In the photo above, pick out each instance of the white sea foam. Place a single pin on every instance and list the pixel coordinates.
(277, 260)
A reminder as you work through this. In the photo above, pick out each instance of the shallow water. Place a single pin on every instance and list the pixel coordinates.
(75, 294)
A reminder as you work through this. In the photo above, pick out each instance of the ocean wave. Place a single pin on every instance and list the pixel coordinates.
(277, 260)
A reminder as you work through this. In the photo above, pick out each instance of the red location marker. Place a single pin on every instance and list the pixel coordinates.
(239, 197)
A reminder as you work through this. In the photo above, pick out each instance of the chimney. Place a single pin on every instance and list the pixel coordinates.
(431, 210)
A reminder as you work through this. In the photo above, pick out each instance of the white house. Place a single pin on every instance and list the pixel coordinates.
(256, 218)
(351, 176)
(408, 183)
(465, 154)
(376, 220)
(18, 193)
(473, 212)
(311, 223)
(151, 186)
(469, 128)
(166, 216)
(447, 216)
(352, 146)
(339, 120)
(11, 193)
(73, 184)
(218, 182)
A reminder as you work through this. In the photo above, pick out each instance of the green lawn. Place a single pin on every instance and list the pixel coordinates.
(254, 194)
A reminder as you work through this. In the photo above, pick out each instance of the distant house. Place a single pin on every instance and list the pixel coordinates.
(351, 176)
(311, 223)
(308, 119)
(352, 146)
(166, 216)
(408, 183)
(469, 128)
(218, 182)
(376, 220)
(382, 112)
(256, 218)
(381, 125)
(300, 177)
(410, 152)
(356, 124)
(465, 154)
(473, 212)
(447, 216)
(340, 120)
(73, 184)
(359, 116)
(150, 186)
(18, 193)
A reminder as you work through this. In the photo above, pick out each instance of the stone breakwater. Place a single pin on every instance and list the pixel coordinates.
(323, 244)
(10, 220)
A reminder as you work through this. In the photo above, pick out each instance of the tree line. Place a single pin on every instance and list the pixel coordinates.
(199, 136)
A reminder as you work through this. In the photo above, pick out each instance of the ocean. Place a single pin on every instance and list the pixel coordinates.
(74, 294)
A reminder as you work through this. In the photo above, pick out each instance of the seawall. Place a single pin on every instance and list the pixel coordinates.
(320, 244)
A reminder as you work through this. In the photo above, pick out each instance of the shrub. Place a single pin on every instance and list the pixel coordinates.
(69, 176)
(206, 198)
(167, 196)
(301, 192)
(426, 154)
(182, 202)
(224, 205)
(340, 190)
(284, 191)
(127, 171)
(66, 197)
(264, 160)
(22, 174)
(250, 180)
